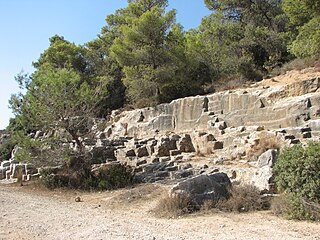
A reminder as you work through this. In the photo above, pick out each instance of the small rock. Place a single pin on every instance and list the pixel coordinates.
(77, 199)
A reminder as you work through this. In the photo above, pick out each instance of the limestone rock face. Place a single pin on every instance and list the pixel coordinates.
(286, 106)
(204, 187)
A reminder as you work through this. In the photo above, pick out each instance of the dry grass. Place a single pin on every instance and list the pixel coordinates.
(172, 206)
(244, 198)
(280, 205)
(297, 64)
(229, 83)
(139, 193)
(266, 141)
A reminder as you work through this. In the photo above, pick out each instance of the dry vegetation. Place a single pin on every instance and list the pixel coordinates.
(280, 205)
(298, 65)
(243, 198)
(173, 206)
(266, 141)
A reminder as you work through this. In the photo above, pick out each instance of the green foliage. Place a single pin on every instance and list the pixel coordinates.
(62, 54)
(304, 18)
(242, 39)
(141, 49)
(297, 11)
(6, 148)
(113, 177)
(307, 43)
(297, 172)
(58, 99)
(28, 147)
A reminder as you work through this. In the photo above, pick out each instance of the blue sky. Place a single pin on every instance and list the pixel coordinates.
(27, 25)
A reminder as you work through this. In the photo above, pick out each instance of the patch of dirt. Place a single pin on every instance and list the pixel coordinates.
(291, 77)
(30, 212)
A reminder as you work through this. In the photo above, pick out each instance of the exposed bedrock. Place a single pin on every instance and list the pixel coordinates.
(273, 107)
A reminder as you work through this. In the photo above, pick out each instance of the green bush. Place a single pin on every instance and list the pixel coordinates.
(53, 181)
(113, 177)
(297, 173)
(6, 148)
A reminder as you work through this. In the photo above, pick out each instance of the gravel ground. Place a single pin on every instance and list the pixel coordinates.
(33, 214)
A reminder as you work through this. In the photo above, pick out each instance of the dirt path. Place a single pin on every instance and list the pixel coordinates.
(28, 214)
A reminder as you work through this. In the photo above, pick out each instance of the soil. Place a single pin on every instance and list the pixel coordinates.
(291, 77)
(30, 212)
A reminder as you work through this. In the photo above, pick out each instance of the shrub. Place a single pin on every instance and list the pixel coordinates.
(113, 177)
(174, 206)
(244, 198)
(297, 64)
(297, 173)
(53, 181)
(280, 205)
(293, 207)
(6, 148)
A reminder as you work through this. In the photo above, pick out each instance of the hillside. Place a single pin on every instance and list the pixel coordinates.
(173, 142)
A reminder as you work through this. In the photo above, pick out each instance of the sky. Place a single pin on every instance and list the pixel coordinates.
(27, 25)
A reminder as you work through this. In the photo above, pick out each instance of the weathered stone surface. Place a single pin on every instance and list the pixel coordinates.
(31, 169)
(268, 158)
(185, 144)
(5, 164)
(314, 124)
(175, 152)
(204, 187)
(306, 135)
(181, 174)
(31, 177)
(217, 145)
(145, 177)
(164, 159)
(172, 168)
(142, 152)
(285, 106)
(263, 178)
(220, 125)
(141, 162)
(164, 146)
(89, 142)
(16, 170)
(131, 153)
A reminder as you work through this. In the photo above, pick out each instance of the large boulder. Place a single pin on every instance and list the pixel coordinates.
(185, 144)
(263, 179)
(164, 146)
(198, 189)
